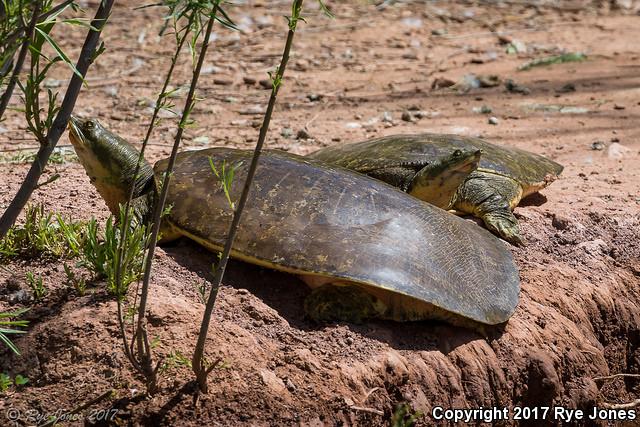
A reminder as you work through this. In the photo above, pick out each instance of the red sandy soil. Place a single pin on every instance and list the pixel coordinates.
(579, 313)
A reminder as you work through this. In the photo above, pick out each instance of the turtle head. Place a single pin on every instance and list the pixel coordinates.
(110, 162)
(438, 181)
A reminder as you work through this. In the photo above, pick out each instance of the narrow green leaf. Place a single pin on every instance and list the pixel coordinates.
(60, 52)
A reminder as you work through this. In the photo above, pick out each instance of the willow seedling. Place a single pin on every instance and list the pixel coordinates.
(54, 132)
(199, 366)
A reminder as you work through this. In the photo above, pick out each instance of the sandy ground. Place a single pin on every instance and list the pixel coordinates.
(349, 79)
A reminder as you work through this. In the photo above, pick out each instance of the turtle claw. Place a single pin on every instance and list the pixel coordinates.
(505, 226)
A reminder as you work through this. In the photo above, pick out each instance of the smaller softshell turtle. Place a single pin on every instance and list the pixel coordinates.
(504, 176)
(369, 249)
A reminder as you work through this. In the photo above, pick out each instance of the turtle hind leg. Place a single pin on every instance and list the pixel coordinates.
(337, 302)
(491, 198)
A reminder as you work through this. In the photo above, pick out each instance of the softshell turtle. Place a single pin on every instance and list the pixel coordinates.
(504, 176)
(367, 249)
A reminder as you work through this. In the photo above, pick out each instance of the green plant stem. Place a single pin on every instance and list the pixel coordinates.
(124, 226)
(144, 349)
(60, 123)
(197, 362)
(6, 96)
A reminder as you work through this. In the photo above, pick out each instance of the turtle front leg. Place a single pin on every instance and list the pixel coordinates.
(492, 198)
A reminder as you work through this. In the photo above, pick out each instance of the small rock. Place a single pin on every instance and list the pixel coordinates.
(439, 32)
(353, 125)
(249, 80)
(569, 87)
(314, 97)
(485, 109)
(442, 82)
(387, 117)
(514, 87)
(560, 222)
(303, 134)
(597, 145)
(618, 107)
(290, 385)
(618, 151)
(406, 116)
(423, 114)
(271, 380)
(211, 69)
(594, 247)
(493, 120)
(301, 65)
(201, 140)
(241, 122)
(489, 80)
(223, 82)
(52, 83)
(266, 84)
(570, 109)
(254, 109)
(286, 133)
(412, 22)
(516, 46)
(19, 297)
(111, 91)
(12, 284)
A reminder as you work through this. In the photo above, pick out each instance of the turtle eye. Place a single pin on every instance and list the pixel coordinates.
(457, 153)
(89, 125)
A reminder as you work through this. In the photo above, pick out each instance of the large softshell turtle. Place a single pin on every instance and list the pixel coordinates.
(504, 176)
(369, 249)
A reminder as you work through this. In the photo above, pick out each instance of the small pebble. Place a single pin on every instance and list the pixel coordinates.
(387, 117)
(266, 83)
(222, 82)
(201, 140)
(249, 80)
(286, 132)
(560, 222)
(290, 385)
(303, 134)
(493, 120)
(618, 151)
(406, 116)
(618, 107)
(569, 87)
(597, 145)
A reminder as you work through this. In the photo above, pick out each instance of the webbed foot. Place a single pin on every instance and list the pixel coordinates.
(505, 225)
